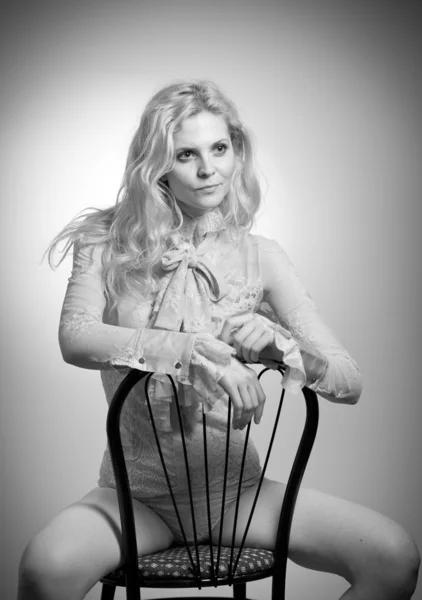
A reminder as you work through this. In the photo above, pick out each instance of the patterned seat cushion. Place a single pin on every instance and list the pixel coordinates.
(175, 563)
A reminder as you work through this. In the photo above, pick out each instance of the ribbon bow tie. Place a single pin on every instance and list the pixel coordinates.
(183, 299)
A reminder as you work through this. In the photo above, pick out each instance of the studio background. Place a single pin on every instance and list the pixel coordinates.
(332, 93)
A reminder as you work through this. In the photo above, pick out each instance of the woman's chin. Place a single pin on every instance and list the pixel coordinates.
(202, 206)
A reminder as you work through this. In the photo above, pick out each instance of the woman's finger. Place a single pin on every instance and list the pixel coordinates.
(231, 323)
(248, 402)
(252, 345)
(261, 402)
(253, 327)
(248, 405)
(243, 331)
(256, 346)
(237, 405)
(254, 398)
(249, 347)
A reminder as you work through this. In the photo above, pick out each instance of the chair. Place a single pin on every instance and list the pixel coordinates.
(196, 565)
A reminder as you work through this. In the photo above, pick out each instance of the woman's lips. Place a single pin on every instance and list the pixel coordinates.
(208, 189)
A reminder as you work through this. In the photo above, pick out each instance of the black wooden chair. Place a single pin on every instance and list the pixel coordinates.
(203, 565)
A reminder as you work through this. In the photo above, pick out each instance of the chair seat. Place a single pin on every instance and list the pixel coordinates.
(175, 564)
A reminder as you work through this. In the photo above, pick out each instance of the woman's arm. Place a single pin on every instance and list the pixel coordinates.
(330, 370)
(87, 342)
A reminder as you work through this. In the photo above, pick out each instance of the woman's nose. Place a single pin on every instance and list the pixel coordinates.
(205, 168)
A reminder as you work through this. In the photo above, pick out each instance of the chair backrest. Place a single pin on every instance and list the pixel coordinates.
(125, 501)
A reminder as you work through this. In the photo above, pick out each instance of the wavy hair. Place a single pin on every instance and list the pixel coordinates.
(139, 227)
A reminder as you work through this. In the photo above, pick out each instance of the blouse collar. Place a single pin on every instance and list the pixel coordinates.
(196, 228)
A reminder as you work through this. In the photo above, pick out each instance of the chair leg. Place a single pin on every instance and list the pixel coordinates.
(108, 591)
(278, 588)
(239, 591)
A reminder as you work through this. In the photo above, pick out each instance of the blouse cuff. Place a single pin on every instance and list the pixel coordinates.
(196, 392)
(294, 377)
(163, 351)
(196, 360)
(342, 381)
(315, 364)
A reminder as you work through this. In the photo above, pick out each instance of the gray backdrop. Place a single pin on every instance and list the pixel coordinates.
(332, 93)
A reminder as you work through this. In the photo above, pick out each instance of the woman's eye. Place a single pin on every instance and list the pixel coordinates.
(185, 155)
(188, 154)
(221, 148)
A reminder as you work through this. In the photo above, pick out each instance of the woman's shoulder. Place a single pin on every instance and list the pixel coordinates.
(263, 243)
(88, 253)
(270, 255)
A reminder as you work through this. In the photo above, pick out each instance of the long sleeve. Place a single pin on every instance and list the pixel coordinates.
(330, 370)
(86, 341)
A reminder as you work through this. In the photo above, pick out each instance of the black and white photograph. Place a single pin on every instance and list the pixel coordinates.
(211, 331)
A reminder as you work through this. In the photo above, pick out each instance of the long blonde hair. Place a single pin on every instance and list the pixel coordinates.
(137, 229)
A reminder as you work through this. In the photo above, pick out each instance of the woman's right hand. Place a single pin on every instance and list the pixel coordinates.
(241, 383)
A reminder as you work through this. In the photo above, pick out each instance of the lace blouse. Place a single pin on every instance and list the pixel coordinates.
(204, 280)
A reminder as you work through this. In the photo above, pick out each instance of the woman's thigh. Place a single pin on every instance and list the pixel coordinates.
(83, 542)
(328, 533)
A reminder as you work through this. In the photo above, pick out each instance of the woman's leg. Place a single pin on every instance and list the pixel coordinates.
(82, 544)
(374, 554)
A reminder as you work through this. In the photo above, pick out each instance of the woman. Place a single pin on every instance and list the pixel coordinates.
(170, 280)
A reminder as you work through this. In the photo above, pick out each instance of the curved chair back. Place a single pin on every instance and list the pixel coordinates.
(206, 563)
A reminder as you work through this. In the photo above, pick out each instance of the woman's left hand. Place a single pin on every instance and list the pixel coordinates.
(248, 334)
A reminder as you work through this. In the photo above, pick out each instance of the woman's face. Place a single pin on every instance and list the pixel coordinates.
(205, 162)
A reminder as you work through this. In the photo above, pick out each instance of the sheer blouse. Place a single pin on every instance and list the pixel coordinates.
(204, 279)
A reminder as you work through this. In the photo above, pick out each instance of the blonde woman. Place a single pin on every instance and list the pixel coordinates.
(170, 280)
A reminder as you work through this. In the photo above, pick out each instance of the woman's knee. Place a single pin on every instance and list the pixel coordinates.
(46, 569)
(389, 568)
(52, 564)
(399, 562)
(83, 543)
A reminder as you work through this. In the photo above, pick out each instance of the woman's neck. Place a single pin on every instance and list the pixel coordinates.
(195, 228)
